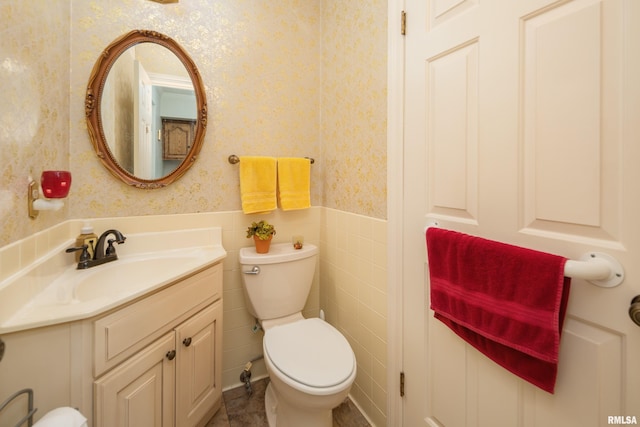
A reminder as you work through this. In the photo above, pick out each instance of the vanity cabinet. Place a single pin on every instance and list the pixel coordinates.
(158, 361)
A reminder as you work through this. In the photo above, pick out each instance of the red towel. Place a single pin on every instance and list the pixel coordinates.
(506, 301)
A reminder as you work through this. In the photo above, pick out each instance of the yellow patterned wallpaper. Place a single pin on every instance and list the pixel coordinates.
(260, 67)
(354, 106)
(282, 78)
(34, 106)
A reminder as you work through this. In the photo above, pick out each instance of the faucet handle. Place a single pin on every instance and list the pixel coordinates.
(84, 256)
(110, 251)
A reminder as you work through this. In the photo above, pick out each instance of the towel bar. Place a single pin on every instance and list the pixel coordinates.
(598, 268)
(233, 159)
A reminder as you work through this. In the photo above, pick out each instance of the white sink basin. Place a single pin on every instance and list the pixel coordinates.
(131, 275)
(146, 262)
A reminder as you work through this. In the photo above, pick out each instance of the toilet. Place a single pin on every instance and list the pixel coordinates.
(311, 365)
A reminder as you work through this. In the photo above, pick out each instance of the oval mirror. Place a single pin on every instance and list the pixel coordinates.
(146, 109)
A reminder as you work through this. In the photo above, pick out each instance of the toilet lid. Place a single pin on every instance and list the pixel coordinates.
(311, 352)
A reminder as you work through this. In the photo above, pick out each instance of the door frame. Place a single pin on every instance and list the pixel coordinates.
(395, 190)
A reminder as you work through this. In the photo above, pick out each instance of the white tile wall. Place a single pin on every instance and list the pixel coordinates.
(353, 284)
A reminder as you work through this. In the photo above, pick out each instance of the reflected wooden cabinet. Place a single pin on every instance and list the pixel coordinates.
(158, 362)
(177, 138)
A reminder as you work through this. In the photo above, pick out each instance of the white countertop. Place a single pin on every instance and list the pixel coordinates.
(71, 294)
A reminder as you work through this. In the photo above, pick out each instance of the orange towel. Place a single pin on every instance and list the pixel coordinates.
(258, 184)
(294, 179)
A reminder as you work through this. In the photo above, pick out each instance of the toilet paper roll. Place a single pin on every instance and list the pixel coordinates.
(62, 417)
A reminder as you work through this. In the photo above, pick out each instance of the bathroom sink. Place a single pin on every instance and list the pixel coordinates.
(136, 274)
(53, 291)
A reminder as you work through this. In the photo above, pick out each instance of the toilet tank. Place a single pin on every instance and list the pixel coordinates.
(277, 284)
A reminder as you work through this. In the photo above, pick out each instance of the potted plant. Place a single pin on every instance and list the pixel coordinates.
(262, 233)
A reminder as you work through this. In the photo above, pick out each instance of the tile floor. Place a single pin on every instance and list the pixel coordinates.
(241, 410)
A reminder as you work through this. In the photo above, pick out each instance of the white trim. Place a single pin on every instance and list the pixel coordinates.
(362, 411)
(395, 149)
(168, 80)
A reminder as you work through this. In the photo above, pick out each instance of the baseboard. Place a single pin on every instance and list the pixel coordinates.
(362, 411)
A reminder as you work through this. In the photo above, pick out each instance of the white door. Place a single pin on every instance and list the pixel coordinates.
(522, 125)
(142, 120)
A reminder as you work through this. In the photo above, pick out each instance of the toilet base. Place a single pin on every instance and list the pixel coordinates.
(280, 414)
(270, 405)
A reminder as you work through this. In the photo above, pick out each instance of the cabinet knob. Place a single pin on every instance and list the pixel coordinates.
(171, 354)
(187, 342)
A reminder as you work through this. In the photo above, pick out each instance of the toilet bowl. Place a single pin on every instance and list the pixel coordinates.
(311, 365)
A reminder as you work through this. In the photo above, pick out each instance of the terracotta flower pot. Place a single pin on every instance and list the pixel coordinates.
(262, 246)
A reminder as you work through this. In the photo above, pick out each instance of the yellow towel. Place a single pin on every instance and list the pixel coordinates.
(294, 183)
(258, 184)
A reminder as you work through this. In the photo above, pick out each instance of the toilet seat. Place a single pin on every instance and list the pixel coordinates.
(310, 352)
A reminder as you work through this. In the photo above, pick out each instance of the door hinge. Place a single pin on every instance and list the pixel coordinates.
(403, 23)
(401, 384)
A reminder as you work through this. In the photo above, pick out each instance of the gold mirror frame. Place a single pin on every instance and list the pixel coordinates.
(93, 109)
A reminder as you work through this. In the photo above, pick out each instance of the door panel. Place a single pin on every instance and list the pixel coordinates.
(590, 379)
(452, 127)
(139, 392)
(572, 127)
(519, 127)
(199, 369)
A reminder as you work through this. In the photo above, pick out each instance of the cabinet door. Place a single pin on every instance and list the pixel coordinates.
(178, 138)
(199, 366)
(139, 392)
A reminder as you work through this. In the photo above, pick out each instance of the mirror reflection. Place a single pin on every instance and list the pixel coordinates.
(146, 109)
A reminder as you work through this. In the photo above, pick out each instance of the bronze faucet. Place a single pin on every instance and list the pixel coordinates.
(101, 255)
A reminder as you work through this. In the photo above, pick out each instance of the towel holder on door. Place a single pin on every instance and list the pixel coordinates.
(598, 268)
